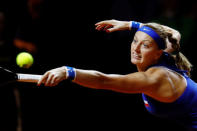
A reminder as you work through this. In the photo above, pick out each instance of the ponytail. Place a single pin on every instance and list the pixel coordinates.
(181, 61)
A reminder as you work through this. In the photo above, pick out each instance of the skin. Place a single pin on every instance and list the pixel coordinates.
(158, 83)
(115, 25)
(144, 51)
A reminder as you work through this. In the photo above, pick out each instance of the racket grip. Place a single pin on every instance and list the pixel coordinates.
(28, 78)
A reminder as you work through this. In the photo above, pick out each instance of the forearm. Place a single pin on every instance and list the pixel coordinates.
(96, 80)
(135, 25)
(175, 33)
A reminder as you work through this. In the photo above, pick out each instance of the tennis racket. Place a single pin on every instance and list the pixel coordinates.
(9, 76)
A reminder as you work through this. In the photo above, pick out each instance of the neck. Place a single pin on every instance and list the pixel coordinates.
(142, 68)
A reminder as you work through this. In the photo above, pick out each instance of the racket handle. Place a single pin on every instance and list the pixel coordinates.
(28, 78)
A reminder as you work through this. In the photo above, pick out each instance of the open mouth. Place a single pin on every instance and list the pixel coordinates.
(136, 56)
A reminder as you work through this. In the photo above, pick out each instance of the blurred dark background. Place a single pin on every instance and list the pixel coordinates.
(61, 33)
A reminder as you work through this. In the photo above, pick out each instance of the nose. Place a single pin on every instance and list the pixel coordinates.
(135, 47)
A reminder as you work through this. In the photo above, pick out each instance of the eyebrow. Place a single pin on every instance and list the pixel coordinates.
(135, 37)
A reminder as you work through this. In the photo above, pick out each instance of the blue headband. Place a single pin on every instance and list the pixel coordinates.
(154, 35)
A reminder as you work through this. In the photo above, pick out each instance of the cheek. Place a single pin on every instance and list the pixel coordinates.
(148, 56)
(131, 48)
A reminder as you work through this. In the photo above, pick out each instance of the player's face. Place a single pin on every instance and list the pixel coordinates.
(144, 50)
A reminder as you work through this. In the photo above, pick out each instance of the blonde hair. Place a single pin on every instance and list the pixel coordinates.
(180, 60)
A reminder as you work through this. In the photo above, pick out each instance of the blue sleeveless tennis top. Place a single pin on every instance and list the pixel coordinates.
(184, 109)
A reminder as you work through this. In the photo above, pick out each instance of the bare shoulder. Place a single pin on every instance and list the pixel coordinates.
(161, 72)
(169, 85)
(157, 73)
(159, 76)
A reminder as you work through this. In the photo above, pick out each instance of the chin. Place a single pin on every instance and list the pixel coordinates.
(135, 62)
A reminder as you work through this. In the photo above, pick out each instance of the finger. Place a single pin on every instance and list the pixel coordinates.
(57, 81)
(107, 27)
(43, 79)
(97, 27)
(54, 81)
(112, 29)
(100, 27)
(102, 22)
(49, 79)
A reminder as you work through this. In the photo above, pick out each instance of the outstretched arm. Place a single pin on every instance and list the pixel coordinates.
(155, 82)
(139, 82)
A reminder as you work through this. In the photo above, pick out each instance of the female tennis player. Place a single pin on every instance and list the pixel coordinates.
(162, 78)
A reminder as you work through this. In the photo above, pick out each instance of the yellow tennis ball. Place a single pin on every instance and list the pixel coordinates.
(24, 60)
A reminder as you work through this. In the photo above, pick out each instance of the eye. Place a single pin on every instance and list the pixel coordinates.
(146, 45)
(134, 41)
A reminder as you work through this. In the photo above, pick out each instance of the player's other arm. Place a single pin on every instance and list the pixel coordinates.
(116, 25)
